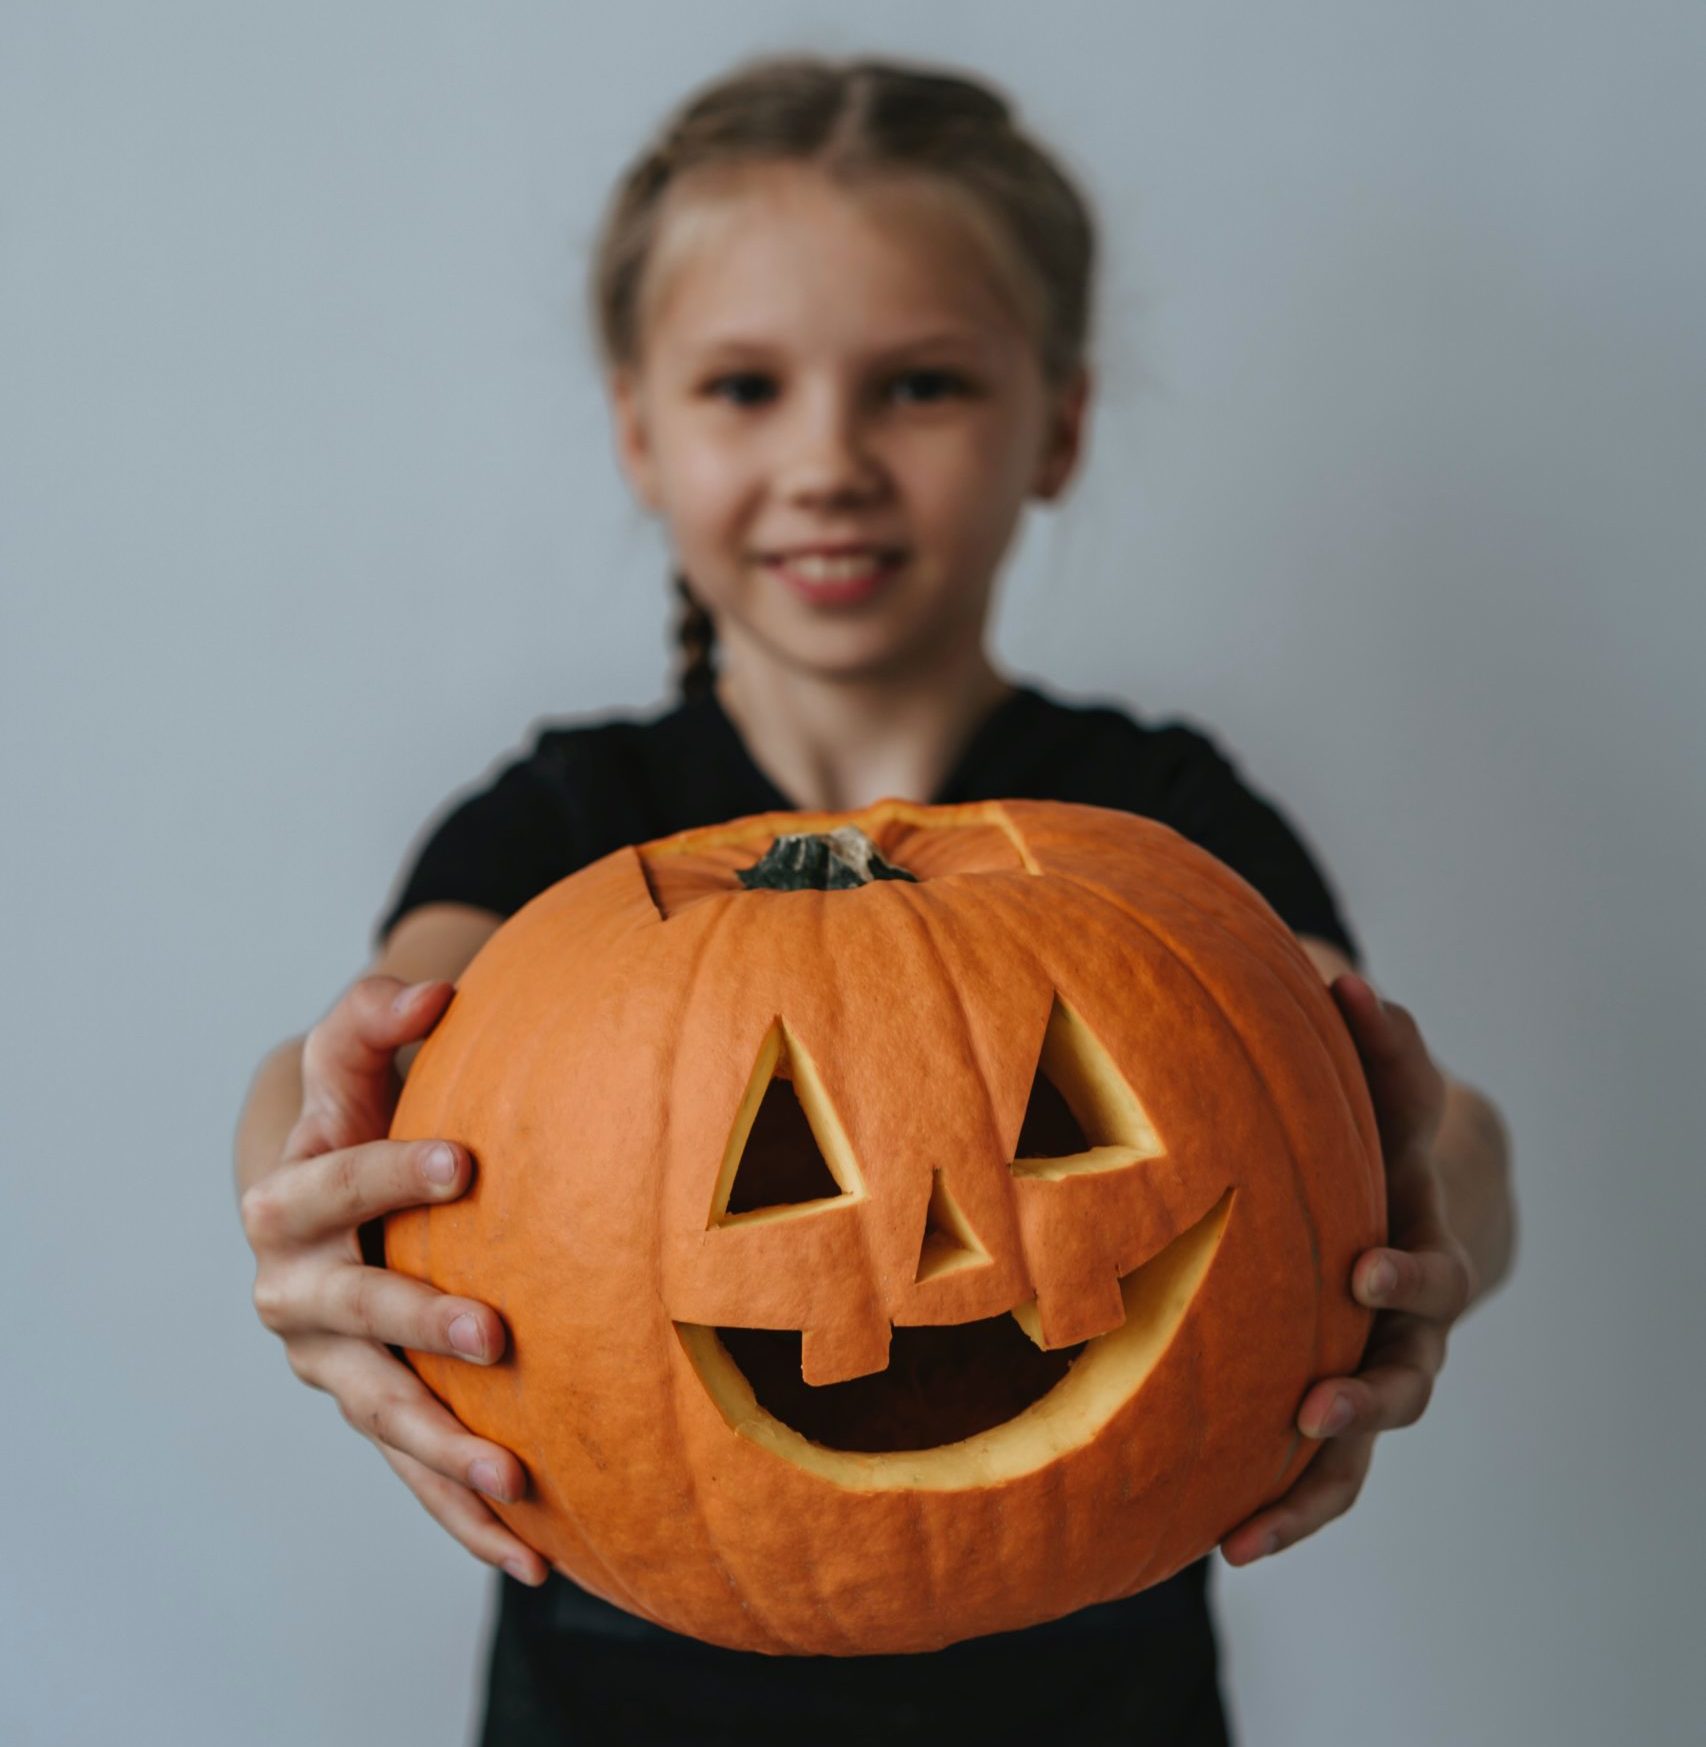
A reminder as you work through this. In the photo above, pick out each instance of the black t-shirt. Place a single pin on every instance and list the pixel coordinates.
(567, 1667)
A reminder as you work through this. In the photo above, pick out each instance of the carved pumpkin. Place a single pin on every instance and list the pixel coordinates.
(908, 1260)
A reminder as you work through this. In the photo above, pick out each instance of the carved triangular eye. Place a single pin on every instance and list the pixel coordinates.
(949, 1241)
(1050, 1131)
(1081, 1115)
(786, 1152)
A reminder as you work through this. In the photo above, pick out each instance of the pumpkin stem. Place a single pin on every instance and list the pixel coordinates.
(812, 861)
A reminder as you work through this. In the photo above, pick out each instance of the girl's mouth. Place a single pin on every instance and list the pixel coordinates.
(836, 582)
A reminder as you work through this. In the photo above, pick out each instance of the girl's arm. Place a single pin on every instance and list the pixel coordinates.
(1472, 1159)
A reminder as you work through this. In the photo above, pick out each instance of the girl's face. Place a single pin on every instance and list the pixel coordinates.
(827, 368)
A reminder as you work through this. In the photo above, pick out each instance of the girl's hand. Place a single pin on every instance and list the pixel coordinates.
(335, 1315)
(1419, 1286)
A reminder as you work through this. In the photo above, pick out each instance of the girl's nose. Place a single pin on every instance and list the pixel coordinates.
(827, 453)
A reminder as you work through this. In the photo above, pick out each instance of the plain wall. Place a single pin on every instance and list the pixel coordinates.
(308, 511)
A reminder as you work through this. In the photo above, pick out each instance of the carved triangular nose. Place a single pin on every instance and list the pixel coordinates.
(949, 1241)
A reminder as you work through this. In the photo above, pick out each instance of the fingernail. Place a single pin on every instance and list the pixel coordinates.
(465, 1336)
(483, 1475)
(1338, 1416)
(401, 1003)
(522, 1572)
(1380, 1279)
(439, 1165)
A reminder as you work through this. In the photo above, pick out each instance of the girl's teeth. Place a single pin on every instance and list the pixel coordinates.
(819, 569)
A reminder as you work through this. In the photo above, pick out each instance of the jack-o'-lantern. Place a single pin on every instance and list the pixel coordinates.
(910, 1224)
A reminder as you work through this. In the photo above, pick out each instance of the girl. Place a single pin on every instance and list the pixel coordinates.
(843, 311)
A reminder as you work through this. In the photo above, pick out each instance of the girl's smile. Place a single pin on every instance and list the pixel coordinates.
(837, 582)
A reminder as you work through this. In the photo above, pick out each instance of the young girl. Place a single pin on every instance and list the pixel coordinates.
(843, 311)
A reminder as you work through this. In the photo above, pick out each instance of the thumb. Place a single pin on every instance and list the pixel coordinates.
(349, 1077)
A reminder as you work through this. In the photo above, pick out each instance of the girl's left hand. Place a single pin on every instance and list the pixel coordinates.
(1418, 1286)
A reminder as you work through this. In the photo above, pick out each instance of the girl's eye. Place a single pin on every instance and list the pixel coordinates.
(732, 387)
(715, 389)
(942, 378)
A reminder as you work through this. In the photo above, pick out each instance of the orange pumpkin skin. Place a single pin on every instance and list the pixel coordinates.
(596, 1060)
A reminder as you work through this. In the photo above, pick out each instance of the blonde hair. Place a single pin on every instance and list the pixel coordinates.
(855, 121)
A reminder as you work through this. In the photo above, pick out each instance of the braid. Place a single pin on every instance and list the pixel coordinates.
(696, 642)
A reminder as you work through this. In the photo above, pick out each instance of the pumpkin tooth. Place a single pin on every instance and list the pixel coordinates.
(1029, 1318)
(844, 1350)
(1078, 1310)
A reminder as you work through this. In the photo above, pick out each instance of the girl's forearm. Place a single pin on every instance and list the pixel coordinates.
(269, 1112)
(1472, 1156)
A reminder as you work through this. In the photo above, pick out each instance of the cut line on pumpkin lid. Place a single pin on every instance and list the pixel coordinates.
(927, 842)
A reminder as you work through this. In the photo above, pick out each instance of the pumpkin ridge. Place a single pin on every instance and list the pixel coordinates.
(741, 1586)
(1188, 1334)
(1212, 996)
(958, 957)
(619, 1587)
(605, 1576)
(1284, 1118)
(452, 1378)
(1334, 1037)
(684, 1374)
(823, 923)
(925, 926)
(919, 1526)
(1320, 1015)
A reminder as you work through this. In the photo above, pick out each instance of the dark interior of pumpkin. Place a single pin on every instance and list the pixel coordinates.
(942, 1383)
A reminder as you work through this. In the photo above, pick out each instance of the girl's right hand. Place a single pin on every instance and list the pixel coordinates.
(336, 1315)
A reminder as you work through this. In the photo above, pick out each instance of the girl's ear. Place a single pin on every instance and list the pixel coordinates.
(1065, 439)
(633, 439)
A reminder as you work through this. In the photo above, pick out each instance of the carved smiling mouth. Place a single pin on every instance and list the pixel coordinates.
(941, 1384)
(969, 1402)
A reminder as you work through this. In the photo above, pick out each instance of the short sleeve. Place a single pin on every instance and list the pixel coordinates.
(1208, 801)
(495, 848)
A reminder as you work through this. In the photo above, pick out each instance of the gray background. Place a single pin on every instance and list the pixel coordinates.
(309, 510)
